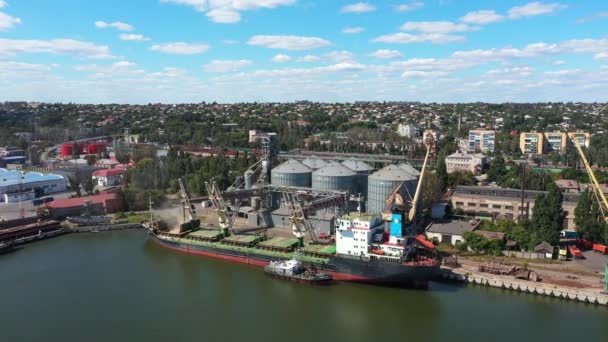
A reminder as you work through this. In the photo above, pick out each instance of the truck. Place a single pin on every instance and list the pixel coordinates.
(575, 252)
(563, 254)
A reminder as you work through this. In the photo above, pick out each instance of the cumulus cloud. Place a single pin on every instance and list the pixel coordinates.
(359, 7)
(223, 66)
(181, 48)
(353, 30)
(309, 58)
(534, 9)
(422, 74)
(117, 25)
(386, 54)
(281, 58)
(601, 56)
(7, 22)
(408, 38)
(229, 11)
(482, 17)
(11, 47)
(436, 27)
(409, 7)
(339, 56)
(288, 42)
(134, 37)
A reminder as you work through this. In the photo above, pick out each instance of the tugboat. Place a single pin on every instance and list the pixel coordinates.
(294, 270)
(6, 246)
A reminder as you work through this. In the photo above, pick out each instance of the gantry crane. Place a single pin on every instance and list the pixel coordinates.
(297, 215)
(187, 207)
(431, 150)
(597, 190)
(225, 217)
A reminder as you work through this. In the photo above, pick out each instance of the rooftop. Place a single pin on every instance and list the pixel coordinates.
(292, 166)
(452, 227)
(357, 165)
(393, 173)
(334, 169)
(79, 201)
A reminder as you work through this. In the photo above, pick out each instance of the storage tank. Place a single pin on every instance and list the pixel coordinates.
(248, 179)
(96, 147)
(363, 170)
(291, 173)
(334, 176)
(383, 182)
(67, 150)
(410, 169)
(315, 162)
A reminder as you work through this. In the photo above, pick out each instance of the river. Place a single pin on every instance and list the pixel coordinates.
(119, 286)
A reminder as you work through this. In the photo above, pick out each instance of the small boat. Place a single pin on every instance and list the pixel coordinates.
(294, 270)
(6, 246)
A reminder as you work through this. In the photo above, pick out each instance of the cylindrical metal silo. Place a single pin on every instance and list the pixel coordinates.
(410, 169)
(363, 170)
(291, 173)
(383, 182)
(314, 162)
(334, 176)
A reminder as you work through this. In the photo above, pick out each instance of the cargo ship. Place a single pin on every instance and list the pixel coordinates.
(365, 250)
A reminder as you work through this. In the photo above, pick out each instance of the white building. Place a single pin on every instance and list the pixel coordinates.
(407, 131)
(464, 162)
(355, 233)
(108, 177)
(451, 232)
(482, 140)
(12, 181)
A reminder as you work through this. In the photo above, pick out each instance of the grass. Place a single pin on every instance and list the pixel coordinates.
(131, 217)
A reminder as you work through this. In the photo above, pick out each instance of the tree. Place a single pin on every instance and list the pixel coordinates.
(461, 178)
(497, 169)
(442, 173)
(89, 186)
(90, 158)
(588, 219)
(431, 191)
(75, 151)
(548, 216)
(74, 183)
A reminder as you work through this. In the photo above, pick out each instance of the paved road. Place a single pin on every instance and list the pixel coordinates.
(593, 261)
(10, 211)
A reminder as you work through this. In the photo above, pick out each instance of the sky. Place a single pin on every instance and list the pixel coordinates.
(189, 51)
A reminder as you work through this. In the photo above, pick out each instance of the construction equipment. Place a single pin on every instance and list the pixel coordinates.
(225, 217)
(597, 190)
(431, 150)
(187, 207)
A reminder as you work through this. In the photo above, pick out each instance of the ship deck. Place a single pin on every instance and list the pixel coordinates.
(326, 250)
(242, 240)
(211, 235)
(279, 243)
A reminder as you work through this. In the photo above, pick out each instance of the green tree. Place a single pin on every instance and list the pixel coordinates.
(74, 183)
(497, 169)
(89, 186)
(548, 216)
(588, 219)
(442, 173)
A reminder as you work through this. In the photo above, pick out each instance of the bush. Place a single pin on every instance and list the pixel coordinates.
(120, 215)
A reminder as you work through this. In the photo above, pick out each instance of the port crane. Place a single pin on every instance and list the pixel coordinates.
(187, 207)
(297, 216)
(597, 190)
(225, 217)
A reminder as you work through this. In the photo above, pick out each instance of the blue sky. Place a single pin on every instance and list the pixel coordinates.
(140, 51)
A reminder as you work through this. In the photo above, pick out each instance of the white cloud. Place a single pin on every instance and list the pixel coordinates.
(353, 30)
(309, 58)
(288, 42)
(11, 47)
(407, 38)
(2, 3)
(281, 58)
(131, 36)
(386, 54)
(339, 56)
(593, 17)
(117, 25)
(359, 7)
(14, 70)
(533, 9)
(440, 27)
(229, 11)
(564, 72)
(482, 17)
(601, 56)
(223, 66)
(559, 62)
(422, 74)
(181, 48)
(409, 7)
(7, 22)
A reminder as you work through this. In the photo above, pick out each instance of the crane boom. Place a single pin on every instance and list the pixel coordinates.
(603, 202)
(413, 210)
(187, 206)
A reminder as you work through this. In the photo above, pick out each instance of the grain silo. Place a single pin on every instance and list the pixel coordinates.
(363, 170)
(334, 176)
(410, 169)
(383, 182)
(291, 173)
(315, 162)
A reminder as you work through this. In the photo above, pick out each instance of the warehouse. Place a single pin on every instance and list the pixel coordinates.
(42, 184)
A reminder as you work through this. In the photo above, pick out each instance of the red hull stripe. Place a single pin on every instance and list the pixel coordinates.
(259, 263)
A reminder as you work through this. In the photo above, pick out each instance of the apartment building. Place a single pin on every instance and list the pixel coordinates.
(532, 143)
(493, 202)
(482, 140)
(542, 143)
(407, 131)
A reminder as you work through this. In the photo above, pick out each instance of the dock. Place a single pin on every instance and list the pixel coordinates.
(105, 227)
(539, 288)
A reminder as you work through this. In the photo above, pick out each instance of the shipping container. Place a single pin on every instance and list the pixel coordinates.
(575, 252)
(600, 248)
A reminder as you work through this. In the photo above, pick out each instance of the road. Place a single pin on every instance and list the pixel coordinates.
(10, 211)
(593, 261)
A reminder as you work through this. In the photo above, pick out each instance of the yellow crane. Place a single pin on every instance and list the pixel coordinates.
(597, 190)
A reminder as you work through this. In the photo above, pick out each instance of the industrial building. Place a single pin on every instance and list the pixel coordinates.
(482, 140)
(451, 232)
(334, 176)
(465, 162)
(291, 173)
(362, 170)
(383, 182)
(494, 202)
(109, 177)
(102, 204)
(42, 184)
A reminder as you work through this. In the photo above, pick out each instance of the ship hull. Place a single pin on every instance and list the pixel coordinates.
(340, 268)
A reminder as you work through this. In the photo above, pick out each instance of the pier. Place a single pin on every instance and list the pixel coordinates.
(506, 282)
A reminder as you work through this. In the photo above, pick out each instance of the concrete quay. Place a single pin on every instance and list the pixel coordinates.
(504, 282)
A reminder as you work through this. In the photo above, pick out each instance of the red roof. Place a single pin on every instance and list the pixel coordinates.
(109, 172)
(79, 201)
